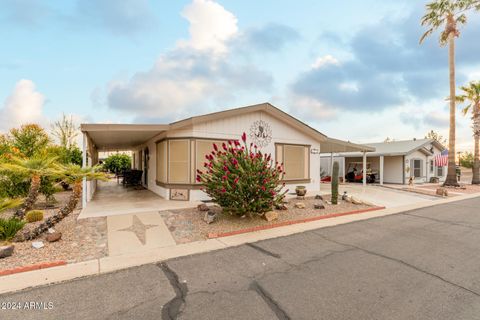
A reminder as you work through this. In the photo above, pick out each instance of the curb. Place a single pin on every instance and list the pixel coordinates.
(287, 223)
(32, 267)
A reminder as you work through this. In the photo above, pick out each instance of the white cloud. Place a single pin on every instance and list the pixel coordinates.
(211, 26)
(24, 105)
(325, 60)
(307, 108)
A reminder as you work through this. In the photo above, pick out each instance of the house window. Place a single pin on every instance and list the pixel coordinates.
(296, 161)
(204, 147)
(439, 171)
(178, 161)
(162, 161)
(417, 168)
(431, 166)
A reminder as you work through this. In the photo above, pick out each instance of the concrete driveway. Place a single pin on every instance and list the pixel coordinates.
(422, 264)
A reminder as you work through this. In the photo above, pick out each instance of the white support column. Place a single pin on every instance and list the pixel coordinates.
(381, 169)
(364, 168)
(84, 164)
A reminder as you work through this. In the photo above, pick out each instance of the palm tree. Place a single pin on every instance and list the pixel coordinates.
(34, 168)
(6, 203)
(471, 95)
(74, 175)
(449, 14)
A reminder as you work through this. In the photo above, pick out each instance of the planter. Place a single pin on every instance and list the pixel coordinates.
(301, 191)
(6, 250)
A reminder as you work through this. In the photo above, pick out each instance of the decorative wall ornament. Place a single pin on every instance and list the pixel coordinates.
(260, 133)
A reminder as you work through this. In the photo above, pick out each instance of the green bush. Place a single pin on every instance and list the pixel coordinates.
(34, 216)
(466, 160)
(13, 185)
(241, 179)
(9, 228)
(117, 162)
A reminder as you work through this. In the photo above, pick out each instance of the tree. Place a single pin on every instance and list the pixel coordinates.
(471, 96)
(65, 130)
(466, 160)
(74, 175)
(29, 139)
(117, 162)
(437, 137)
(33, 168)
(448, 14)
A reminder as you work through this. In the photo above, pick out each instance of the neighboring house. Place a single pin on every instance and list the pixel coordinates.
(395, 161)
(170, 154)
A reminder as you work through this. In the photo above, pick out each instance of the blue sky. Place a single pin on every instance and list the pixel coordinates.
(354, 70)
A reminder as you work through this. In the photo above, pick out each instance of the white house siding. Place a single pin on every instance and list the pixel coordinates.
(232, 128)
(417, 155)
(393, 169)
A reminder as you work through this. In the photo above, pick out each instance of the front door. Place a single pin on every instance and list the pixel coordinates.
(145, 166)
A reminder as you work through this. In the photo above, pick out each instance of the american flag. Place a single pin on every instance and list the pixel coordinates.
(441, 160)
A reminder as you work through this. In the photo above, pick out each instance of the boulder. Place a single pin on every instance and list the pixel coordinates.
(216, 209)
(318, 197)
(202, 207)
(210, 217)
(270, 216)
(54, 237)
(6, 250)
(300, 205)
(319, 206)
(442, 192)
(356, 200)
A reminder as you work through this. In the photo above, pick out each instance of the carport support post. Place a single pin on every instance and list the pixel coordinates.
(381, 170)
(84, 164)
(364, 168)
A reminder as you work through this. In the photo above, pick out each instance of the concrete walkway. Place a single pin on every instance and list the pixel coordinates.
(420, 264)
(112, 199)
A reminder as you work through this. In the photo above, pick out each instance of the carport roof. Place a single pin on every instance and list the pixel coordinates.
(398, 148)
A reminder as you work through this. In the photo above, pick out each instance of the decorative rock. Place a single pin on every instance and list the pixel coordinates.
(300, 205)
(6, 251)
(318, 197)
(329, 202)
(215, 209)
(300, 197)
(210, 217)
(347, 198)
(51, 230)
(356, 200)
(37, 244)
(53, 237)
(281, 207)
(270, 216)
(318, 206)
(442, 192)
(203, 207)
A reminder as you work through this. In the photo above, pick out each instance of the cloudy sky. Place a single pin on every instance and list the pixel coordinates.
(352, 70)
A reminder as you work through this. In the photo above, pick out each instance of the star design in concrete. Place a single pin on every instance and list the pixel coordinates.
(139, 229)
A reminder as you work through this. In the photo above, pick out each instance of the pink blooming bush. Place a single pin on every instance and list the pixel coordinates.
(241, 179)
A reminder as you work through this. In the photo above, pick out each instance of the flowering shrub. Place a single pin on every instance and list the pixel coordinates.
(241, 179)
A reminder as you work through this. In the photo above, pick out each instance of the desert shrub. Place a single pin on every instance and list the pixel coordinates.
(466, 159)
(9, 228)
(117, 162)
(241, 179)
(13, 185)
(34, 216)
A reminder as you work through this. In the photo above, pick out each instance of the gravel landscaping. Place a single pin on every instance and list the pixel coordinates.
(187, 225)
(81, 240)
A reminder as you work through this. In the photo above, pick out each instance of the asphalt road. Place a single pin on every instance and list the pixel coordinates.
(423, 264)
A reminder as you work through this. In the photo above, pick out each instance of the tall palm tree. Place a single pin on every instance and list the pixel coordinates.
(33, 168)
(73, 175)
(449, 14)
(471, 95)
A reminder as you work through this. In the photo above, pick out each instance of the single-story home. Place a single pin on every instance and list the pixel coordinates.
(393, 161)
(170, 154)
